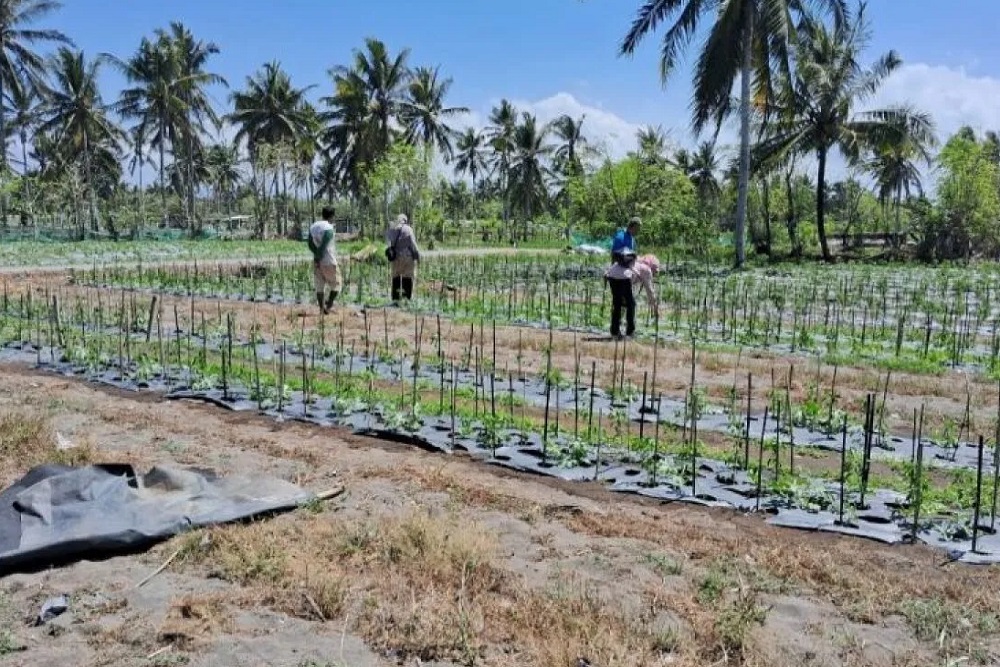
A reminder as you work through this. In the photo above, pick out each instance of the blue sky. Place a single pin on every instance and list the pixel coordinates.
(551, 56)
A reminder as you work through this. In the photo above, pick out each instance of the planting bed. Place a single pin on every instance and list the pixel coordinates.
(630, 438)
(907, 319)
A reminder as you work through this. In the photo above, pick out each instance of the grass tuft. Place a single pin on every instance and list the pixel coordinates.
(27, 440)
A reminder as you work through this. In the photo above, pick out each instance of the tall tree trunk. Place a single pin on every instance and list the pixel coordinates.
(25, 184)
(163, 183)
(744, 176)
(81, 226)
(190, 177)
(898, 241)
(284, 203)
(311, 187)
(90, 182)
(140, 213)
(142, 202)
(473, 199)
(3, 153)
(821, 205)
(766, 205)
(276, 195)
(505, 174)
(791, 215)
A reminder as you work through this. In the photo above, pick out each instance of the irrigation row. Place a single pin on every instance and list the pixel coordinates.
(386, 393)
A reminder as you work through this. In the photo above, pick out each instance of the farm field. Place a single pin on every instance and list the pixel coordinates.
(793, 462)
(785, 469)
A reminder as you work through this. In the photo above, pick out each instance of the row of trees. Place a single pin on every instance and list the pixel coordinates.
(371, 141)
(68, 131)
(801, 83)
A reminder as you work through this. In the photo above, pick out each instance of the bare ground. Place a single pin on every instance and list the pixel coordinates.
(435, 560)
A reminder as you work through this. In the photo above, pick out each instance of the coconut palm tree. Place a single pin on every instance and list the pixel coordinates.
(78, 118)
(381, 79)
(223, 162)
(136, 164)
(155, 99)
(895, 160)
(423, 111)
(906, 142)
(364, 113)
(471, 158)
(20, 66)
(193, 56)
(27, 107)
(269, 109)
(573, 146)
(814, 111)
(307, 149)
(652, 143)
(503, 121)
(702, 171)
(746, 37)
(351, 136)
(272, 114)
(528, 169)
(326, 179)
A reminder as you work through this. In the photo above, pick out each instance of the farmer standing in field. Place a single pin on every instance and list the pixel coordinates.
(326, 272)
(403, 256)
(625, 272)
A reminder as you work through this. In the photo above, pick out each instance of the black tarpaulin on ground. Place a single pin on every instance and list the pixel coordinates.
(57, 514)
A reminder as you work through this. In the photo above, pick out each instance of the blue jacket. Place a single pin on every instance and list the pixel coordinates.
(622, 241)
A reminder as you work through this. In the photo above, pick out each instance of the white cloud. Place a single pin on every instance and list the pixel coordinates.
(604, 129)
(610, 134)
(952, 96)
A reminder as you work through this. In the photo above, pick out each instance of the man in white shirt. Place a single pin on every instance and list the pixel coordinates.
(326, 272)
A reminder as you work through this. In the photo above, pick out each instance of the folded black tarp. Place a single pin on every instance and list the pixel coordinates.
(58, 514)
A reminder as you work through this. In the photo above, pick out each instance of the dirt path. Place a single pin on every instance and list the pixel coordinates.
(436, 560)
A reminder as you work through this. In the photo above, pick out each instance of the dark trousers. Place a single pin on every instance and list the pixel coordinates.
(622, 297)
(402, 286)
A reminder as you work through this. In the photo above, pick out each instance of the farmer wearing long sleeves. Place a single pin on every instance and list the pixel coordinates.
(326, 272)
(403, 268)
(624, 239)
(621, 276)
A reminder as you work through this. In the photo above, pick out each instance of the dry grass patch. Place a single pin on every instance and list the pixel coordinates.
(424, 586)
(119, 644)
(193, 620)
(867, 582)
(960, 634)
(27, 440)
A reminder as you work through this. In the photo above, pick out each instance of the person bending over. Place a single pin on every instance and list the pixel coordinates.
(621, 276)
(326, 272)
